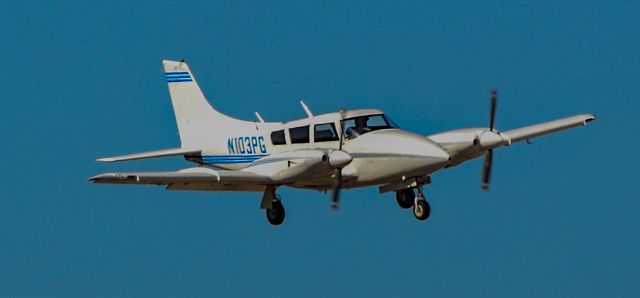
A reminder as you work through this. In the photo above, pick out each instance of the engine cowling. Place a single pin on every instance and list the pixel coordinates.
(490, 139)
(468, 143)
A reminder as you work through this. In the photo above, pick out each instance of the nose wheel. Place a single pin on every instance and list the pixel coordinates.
(421, 208)
(407, 198)
(275, 214)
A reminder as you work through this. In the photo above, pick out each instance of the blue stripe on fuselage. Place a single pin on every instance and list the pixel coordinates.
(225, 159)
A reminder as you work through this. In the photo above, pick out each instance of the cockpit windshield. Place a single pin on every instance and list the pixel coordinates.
(353, 127)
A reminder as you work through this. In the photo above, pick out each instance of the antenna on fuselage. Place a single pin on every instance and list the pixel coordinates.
(259, 117)
(306, 109)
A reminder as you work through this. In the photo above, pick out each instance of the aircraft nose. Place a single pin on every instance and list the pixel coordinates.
(412, 150)
(435, 152)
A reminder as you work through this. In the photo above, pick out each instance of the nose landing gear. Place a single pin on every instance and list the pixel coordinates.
(407, 198)
(421, 208)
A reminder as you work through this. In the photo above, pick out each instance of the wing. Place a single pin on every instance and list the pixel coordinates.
(537, 130)
(199, 178)
(308, 167)
(469, 143)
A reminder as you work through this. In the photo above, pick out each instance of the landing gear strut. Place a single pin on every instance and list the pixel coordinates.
(275, 214)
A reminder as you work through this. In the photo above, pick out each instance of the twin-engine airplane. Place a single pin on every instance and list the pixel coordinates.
(345, 149)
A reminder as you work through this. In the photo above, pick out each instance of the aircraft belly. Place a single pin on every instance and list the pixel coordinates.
(371, 170)
(324, 183)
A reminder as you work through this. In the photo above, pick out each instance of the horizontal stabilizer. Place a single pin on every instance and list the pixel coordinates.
(150, 154)
(537, 130)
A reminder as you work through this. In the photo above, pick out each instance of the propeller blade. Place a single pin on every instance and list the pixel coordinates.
(342, 112)
(335, 196)
(492, 108)
(486, 169)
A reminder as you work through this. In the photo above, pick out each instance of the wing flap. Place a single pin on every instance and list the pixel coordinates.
(150, 154)
(537, 130)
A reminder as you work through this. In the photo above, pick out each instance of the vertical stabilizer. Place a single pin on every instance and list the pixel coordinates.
(199, 124)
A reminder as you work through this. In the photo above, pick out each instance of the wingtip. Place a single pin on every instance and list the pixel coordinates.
(114, 178)
(94, 178)
(105, 159)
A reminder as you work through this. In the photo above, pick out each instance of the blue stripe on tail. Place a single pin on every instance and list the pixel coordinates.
(176, 77)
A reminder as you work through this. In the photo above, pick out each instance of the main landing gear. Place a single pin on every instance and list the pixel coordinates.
(273, 206)
(406, 199)
(275, 214)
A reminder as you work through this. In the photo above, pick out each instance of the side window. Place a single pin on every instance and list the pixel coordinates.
(277, 137)
(299, 134)
(325, 132)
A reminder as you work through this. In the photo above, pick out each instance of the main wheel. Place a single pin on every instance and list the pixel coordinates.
(275, 215)
(421, 209)
(405, 198)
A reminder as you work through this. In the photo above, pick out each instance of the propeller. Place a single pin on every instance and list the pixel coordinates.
(335, 195)
(488, 156)
(338, 159)
(486, 169)
(337, 185)
(492, 108)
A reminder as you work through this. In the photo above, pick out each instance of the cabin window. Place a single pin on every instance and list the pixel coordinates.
(277, 137)
(325, 132)
(299, 134)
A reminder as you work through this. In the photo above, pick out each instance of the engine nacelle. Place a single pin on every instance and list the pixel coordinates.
(468, 143)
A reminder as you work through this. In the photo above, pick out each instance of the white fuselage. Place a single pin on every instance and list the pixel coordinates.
(381, 156)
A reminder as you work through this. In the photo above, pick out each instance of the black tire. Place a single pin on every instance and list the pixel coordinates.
(275, 215)
(422, 210)
(405, 198)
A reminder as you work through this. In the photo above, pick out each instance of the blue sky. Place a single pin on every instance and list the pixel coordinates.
(84, 80)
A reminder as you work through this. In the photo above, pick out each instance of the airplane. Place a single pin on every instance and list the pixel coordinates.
(327, 152)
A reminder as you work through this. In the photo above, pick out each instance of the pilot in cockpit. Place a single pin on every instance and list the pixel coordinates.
(361, 125)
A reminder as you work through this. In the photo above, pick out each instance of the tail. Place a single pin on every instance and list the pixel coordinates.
(199, 124)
